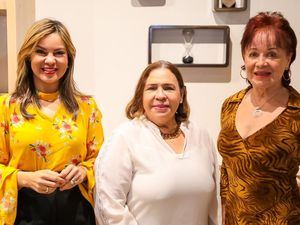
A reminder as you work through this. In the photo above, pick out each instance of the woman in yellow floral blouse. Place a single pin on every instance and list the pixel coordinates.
(50, 135)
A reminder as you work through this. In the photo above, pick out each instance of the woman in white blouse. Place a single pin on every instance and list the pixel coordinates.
(158, 168)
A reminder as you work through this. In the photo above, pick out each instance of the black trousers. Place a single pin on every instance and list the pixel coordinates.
(59, 208)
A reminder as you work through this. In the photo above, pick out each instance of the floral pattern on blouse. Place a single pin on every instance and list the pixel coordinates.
(7, 203)
(42, 149)
(75, 160)
(45, 143)
(4, 126)
(16, 120)
(86, 99)
(94, 117)
(66, 126)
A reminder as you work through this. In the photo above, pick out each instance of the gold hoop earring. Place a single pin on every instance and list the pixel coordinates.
(241, 72)
(289, 75)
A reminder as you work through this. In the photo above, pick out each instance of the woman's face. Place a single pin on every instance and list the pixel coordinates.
(49, 62)
(265, 62)
(161, 97)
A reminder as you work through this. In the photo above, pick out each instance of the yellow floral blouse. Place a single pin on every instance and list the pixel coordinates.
(45, 143)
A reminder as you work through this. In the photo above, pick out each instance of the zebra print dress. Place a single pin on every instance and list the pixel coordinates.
(258, 173)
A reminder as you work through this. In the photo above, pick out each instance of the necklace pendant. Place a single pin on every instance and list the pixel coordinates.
(257, 113)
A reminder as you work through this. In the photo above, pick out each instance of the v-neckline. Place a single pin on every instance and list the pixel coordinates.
(263, 127)
(183, 150)
(45, 116)
(156, 131)
(260, 129)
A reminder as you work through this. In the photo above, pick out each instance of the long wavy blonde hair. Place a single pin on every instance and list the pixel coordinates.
(25, 89)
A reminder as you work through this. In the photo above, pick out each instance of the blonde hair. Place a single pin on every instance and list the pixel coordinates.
(25, 90)
(135, 106)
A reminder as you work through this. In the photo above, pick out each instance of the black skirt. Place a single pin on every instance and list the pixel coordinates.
(58, 208)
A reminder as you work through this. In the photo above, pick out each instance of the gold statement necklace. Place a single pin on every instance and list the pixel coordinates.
(48, 97)
(173, 135)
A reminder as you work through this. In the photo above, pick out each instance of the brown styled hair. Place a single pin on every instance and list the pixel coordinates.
(272, 23)
(135, 106)
(25, 90)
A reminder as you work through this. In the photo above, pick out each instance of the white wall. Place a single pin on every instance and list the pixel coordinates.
(111, 39)
(3, 54)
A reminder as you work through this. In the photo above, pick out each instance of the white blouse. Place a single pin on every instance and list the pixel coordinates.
(140, 180)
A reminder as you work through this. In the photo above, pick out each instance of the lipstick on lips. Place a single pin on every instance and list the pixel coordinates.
(49, 71)
(262, 73)
(160, 107)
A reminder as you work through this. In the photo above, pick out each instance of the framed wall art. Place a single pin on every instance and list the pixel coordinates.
(189, 46)
(229, 5)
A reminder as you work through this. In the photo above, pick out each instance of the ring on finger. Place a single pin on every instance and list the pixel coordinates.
(73, 181)
(47, 190)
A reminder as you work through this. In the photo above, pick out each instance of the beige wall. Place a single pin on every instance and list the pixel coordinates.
(15, 18)
(3, 54)
(111, 39)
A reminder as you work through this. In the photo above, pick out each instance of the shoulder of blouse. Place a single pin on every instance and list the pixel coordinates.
(237, 97)
(4, 96)
(6, 100)
(197, 130)
(123, 134)
(124, 129)
(130, 127)
(85, 99)
(130, 130)
(88, 104)
(294, 99)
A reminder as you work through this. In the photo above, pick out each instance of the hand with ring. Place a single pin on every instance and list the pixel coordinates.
(73, 181)
(74, 175)
(41, 181)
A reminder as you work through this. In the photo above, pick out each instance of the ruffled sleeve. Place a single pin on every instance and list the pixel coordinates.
(8, 175)
(94, 141)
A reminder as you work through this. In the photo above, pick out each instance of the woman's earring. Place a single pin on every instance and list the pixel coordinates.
(243, 68)
(288, 73)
